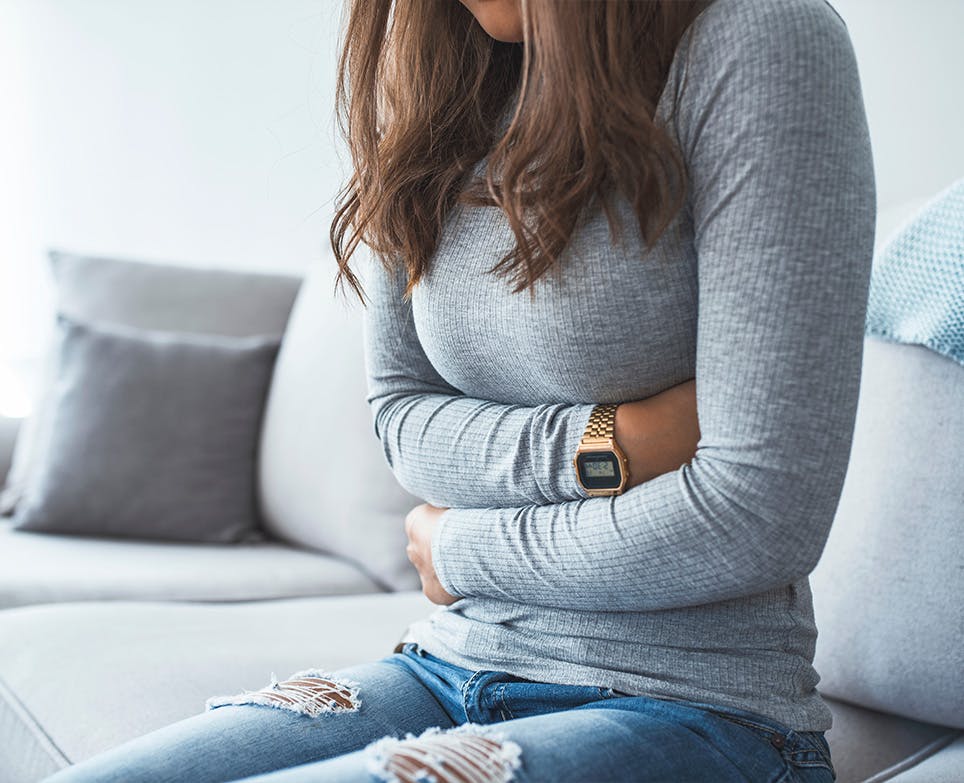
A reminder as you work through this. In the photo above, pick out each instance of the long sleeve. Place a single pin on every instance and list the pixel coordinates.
(445, 447)
(773, 129)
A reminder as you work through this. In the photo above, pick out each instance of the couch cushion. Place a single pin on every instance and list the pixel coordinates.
(156, 435)
(9, 427)
(46, 567)
(149, 295)
(173, 297)
(887, 591)
(945, 766)
(323, 479)
(864, 743)
(162, 661)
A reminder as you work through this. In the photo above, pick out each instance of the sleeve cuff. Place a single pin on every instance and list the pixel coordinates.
(438, 558)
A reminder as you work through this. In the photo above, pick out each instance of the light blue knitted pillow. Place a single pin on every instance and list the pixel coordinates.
(917, 281)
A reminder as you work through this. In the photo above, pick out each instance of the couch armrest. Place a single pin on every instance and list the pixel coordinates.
(8, 434)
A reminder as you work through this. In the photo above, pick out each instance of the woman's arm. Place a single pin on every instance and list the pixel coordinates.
(774, 131)
(454, 450)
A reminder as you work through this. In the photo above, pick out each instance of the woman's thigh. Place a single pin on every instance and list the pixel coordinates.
(309, 716)
(621, 740)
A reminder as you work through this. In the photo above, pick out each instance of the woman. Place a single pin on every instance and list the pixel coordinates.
(682, 197)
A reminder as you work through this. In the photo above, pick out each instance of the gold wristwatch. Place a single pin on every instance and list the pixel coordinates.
(601, 466)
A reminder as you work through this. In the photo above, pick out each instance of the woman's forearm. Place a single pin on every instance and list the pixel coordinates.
(455, 451)
(658, 434)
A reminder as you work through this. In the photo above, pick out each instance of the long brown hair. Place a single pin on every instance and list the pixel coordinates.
(422, 95)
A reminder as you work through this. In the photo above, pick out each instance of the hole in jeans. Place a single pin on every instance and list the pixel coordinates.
(308, 692)
(470, 753)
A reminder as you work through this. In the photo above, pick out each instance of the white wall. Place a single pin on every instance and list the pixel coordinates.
(192, 130)
(201, 131)
(912, 71)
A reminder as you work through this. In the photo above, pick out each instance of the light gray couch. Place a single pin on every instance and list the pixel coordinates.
(103, 640)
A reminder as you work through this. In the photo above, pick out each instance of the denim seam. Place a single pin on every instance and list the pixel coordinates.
(807, 756)
(825, 755)
(504, 708)
(815, 763)
(469, 690)
(769, 730)
(787, 776)
(791, 756)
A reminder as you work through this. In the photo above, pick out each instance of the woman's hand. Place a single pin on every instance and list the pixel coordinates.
(658, 434)
(420, 523)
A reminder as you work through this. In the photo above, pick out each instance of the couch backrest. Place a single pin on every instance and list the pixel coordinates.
(323, 480)
(148, 295)
(173, 297)
(888, 589)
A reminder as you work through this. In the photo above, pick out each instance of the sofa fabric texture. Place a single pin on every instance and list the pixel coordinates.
(150, 434)
(38, 568)
(9, 428)
(127, 677)
(175, 297)
(323, 480)
(887, 590)
(865, 743)
(944, 766)
(153, 296)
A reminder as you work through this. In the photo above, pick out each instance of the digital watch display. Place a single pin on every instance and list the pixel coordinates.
(601, 467)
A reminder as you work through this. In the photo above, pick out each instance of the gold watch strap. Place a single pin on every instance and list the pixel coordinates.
(601, 424)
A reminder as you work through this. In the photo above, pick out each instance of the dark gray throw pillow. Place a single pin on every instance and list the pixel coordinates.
(152, 434)
(168, 296)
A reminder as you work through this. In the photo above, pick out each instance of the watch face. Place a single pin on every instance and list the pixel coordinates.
(599, 470)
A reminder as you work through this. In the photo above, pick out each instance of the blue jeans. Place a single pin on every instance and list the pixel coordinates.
(414, 717)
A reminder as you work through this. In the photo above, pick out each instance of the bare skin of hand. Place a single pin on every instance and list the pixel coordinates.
(420, 523)
(658, 434)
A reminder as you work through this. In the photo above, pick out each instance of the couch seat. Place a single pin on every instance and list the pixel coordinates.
(78, 678)
(46, 568)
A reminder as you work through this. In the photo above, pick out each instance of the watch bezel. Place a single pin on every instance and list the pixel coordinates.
(615, 451)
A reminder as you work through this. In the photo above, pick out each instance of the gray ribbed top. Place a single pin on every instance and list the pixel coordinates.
(693, 585)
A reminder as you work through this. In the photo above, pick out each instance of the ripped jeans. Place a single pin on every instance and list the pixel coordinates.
(414, 717)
